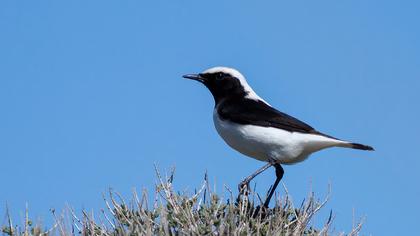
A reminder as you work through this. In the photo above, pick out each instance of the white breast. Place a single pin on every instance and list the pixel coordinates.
(267, 143)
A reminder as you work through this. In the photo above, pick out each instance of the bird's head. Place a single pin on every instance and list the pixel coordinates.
(224, 82)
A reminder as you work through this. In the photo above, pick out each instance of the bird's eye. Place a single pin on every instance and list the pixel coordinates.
(220, 76)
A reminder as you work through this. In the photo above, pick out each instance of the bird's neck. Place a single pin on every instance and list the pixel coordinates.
(235, 98)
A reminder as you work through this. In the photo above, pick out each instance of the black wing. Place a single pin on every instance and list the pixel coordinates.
(258, 113)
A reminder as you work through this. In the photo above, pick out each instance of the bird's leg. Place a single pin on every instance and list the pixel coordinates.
(279, 175)
(245, 183)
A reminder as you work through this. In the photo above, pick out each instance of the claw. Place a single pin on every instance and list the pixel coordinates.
(243, 188)
(244, 185)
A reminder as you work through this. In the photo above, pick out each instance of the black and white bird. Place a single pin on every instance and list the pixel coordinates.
(251, 126)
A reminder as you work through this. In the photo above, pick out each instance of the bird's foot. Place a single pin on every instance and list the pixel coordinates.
(243, 187)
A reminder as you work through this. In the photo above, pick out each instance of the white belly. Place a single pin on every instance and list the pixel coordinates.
(266, 143)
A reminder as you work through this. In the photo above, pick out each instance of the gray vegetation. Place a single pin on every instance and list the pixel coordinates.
(174, 213)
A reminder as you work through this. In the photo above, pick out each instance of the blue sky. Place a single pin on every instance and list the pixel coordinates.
(92, 96)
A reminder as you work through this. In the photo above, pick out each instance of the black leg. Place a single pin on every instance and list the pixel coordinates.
(279, 175)
(245, 183)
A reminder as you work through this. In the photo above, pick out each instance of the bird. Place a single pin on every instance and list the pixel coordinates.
(251, 126)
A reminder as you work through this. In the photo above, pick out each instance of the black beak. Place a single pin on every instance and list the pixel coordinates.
(197, 77)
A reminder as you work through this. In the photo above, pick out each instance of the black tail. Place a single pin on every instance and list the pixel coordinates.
(361, 147)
